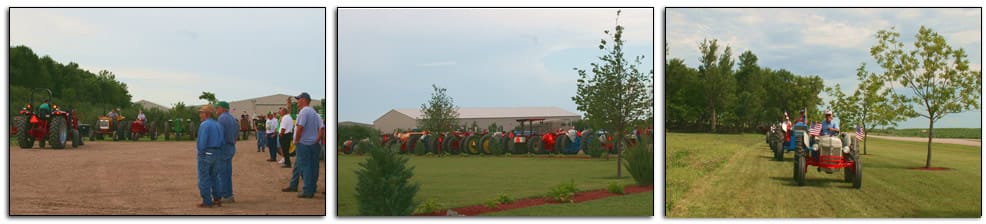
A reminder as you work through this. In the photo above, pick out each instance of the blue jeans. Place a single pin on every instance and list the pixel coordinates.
(226, 171)
(295, 172)
(208, 173)
(261, 141)
(272, 146)
(308, 161)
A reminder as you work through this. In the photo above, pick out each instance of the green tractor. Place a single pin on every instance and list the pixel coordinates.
(179, 127)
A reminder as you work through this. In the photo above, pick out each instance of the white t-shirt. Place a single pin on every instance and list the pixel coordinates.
(287, 124)
(272, 126)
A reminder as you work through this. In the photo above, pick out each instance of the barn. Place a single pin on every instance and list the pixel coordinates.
(407, 118)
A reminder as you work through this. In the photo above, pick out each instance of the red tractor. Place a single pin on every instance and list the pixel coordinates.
(403, 142)
(140, 128)
(46, 123)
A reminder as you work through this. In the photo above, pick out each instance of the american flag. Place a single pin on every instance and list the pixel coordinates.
(816, 130)
(859, 133)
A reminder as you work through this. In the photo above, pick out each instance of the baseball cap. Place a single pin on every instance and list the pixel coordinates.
(303, 95)
(222, 104)
(828, 112)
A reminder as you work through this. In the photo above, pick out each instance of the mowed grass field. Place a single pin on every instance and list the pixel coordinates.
(458, 181)
(710, 175)
(971, 133)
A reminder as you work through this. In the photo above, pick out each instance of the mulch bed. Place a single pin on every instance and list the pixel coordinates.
(523, 203)
(931, 169)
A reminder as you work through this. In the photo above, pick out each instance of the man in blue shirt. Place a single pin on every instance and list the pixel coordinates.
(209, 152)
(230, 129)
(308, 131)
(829, 127)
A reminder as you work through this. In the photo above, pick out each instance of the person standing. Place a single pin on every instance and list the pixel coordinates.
(261, 130)
(230, 129)
(209, 152)
(272, 136)
(308, 130)
(286, 133)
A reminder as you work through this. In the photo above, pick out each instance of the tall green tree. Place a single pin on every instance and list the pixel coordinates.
(750, 91)
(937, 76)
(869, 106)
(208, 96)
(716, 75)
(616, 95)
(439, 114)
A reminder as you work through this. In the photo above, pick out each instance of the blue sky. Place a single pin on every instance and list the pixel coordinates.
(830, 43)
(171, 55)
(389, 58)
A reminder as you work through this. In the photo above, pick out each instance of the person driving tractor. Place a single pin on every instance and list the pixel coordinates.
(829, 127)
(44, 109)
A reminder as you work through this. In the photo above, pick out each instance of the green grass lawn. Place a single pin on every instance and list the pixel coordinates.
(458, 181)
(711, 175)
(627, 205)
(973, 133)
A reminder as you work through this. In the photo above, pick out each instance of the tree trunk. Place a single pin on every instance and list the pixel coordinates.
(931, 133)
(714, 120)
(619, 156)
(864, 139)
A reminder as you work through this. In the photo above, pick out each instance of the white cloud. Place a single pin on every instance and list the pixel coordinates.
(966, 36)
(437, 64)
(820, 30)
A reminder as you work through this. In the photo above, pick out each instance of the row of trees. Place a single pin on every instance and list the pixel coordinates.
(72, 87)
(719, 96)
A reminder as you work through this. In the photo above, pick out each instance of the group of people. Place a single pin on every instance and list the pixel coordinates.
(216, 148)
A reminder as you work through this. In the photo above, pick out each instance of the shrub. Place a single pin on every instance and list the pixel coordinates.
(420, 148)
(564, 192)
(492, 204)
(640, 162)
(429, 206)
(504, 199)
(384, 186)
(615, 188)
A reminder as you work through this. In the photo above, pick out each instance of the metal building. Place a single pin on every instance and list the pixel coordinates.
(407, 118)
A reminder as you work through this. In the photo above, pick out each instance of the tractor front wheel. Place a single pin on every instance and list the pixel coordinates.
(58, 132)
(799, 168)
(471, 145)
(537, 147)
(486, 144)
(23, 139)
(561, 144)
(76, 139)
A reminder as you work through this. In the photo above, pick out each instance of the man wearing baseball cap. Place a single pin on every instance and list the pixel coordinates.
(230, 129)
(308, 131)
(209, 152)
(829, 127)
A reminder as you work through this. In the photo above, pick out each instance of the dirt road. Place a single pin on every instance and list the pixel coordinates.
(146, 178)
(957, 141)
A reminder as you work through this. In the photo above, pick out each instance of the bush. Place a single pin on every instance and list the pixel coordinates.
(504, 199)
(356, 132)
(640, 162)
(429, 206)
(384, 187)
(595, 148)
(420, 147)
(615, 188)
(564, 192)
(492, 204)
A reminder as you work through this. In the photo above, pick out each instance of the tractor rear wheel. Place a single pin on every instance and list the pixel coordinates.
(452, 144)
(58, 132)
(23, 139)
(537, 147)
(471, 145)
(434, 143)
(76, 139)
(561, 144)
(857, 180)
(486, 144)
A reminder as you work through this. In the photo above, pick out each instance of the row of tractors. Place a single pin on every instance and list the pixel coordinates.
(47, 124)
(830, 153)
(519, 141)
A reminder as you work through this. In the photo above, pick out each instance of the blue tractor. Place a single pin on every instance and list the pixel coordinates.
(792, 140)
